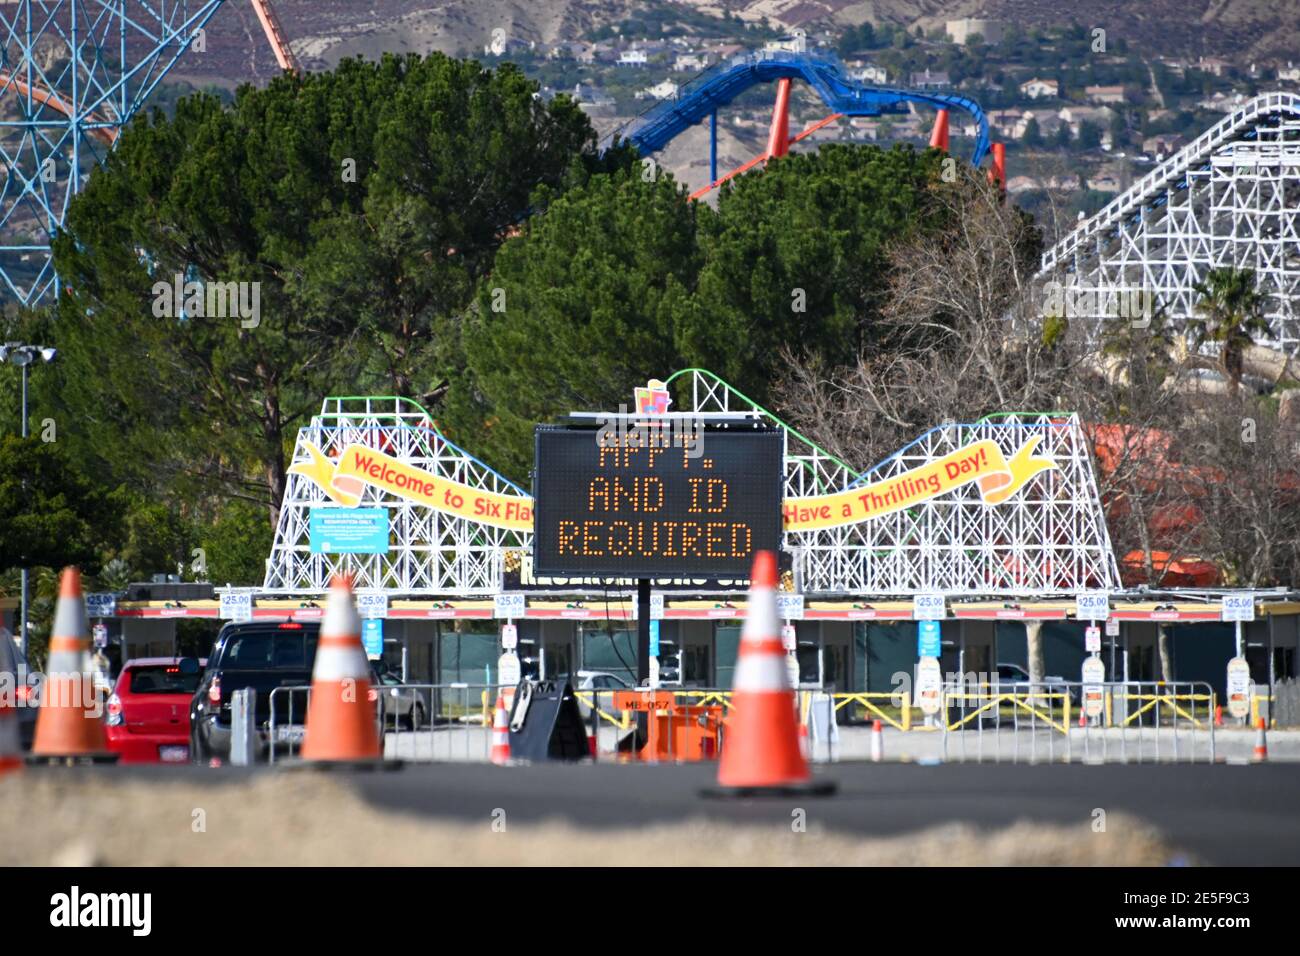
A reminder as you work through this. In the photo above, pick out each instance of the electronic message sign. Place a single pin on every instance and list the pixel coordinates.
(612, 503)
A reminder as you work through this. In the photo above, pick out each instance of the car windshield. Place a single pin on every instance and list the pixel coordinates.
(163, 679)
(277, 649)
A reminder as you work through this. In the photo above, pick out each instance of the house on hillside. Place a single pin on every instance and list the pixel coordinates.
(960, 31)
(1104, 94)
(633, 57)
(1289, 73)
(724, 51)
(1021, 184)
(928, 80)
(1038, 88)
(795, 42)
(573, 50)
(1074, 116)
(1105, 182)
(1163, 144)
(594, 101)
(870, 73)
(604, 51)
(1009, 124)
(690, 62)
(1222, 102)
(1213, 64)
(666, 90)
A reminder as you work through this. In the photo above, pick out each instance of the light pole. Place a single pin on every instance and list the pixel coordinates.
(23, 355)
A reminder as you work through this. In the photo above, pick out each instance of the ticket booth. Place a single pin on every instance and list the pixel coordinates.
(696, 643)
(836, 639)
(558, 656)
(977, 651)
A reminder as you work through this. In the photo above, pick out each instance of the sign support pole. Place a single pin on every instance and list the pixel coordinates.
(642, 650)
(642, 631)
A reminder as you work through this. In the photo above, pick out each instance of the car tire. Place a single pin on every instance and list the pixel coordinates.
(200, 753)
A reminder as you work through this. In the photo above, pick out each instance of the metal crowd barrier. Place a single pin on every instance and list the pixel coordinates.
(1014, 722)
(1137, 721)
(418, 722)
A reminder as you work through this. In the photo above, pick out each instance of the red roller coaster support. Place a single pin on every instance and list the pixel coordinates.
(105, 134)
(709, 187)
(778, 137)
(998, 171)
(939, 137)
(275, 34)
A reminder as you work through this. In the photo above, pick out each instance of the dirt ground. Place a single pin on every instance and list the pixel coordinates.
(290, 819)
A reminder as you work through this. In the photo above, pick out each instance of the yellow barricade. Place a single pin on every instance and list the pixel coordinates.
(1170, 700)
(1035, 703)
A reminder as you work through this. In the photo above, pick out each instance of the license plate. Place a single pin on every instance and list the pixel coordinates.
(290, 734)
(179, 753)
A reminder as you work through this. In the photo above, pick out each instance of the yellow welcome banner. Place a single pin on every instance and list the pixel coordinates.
(360, 465)
(980, 462)
(983, 462)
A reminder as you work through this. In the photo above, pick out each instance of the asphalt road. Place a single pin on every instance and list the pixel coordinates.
(1225, 815)
(1220, 814)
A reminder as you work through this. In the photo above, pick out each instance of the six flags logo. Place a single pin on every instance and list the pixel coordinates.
(996, 477)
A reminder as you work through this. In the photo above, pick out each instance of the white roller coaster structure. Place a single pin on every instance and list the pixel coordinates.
(1048, 539)
(1231, 197)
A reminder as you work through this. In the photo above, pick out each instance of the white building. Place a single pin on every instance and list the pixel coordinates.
(1099, 116)
(870, 73)
(1037, 89)
(633, 58)
(938, 80)
(959, 31)
(795, 42)
(1104, 94)
(666, 90)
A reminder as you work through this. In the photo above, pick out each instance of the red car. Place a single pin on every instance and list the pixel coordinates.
(149, 712)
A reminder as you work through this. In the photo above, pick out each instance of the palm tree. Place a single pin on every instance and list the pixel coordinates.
(1229, 314)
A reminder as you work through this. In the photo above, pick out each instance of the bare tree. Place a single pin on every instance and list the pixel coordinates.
(965, 335)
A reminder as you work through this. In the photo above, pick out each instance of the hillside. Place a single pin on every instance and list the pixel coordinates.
(324, 31)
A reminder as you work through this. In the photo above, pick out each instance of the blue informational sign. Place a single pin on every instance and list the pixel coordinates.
(348, 530)
(372, 636)
(654, 638)
(928, 643)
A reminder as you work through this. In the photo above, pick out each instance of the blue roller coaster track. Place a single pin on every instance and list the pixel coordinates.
(717, 86)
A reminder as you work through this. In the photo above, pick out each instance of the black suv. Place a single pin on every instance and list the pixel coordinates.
(263, 655)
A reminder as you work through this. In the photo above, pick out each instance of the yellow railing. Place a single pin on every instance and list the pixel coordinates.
(868, 703)
(1171, 700)
(872, 702)
(1044, 705)
(1026, 701)
(1254, 708)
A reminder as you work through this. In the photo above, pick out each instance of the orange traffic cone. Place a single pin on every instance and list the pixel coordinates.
(1261, 742)
(500, 733)
(877, 741)
(70, 722)
(761, 753)
(341, 720)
